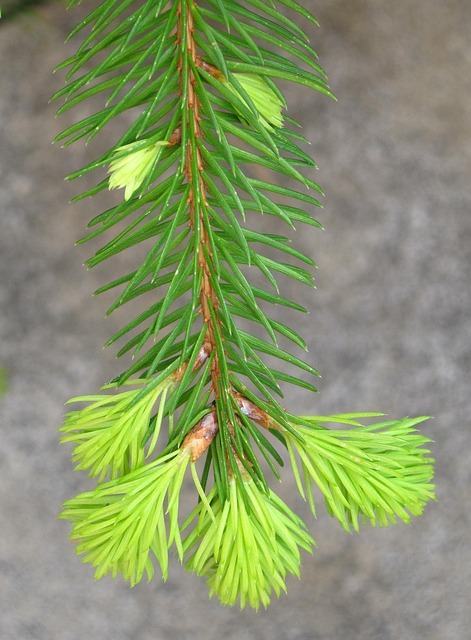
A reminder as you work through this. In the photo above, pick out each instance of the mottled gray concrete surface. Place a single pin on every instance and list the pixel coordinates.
(389, 329)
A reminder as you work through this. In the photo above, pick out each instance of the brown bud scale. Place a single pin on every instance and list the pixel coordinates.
(200, 436)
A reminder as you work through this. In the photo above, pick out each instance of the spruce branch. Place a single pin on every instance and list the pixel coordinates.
(200, 80)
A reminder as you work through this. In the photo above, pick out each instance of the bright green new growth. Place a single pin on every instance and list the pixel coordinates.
(118, 524)
(247, 545)
(373, 473)
(198, 83)
(132, 164)
(109, 432)
(266, 101)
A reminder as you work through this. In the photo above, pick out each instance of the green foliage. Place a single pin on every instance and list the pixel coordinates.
(374, 472)
(121, 521)
(207, 143)
(246, 545)
(109, 432)
(3, 380)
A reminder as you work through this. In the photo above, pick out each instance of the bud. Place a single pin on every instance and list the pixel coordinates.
(203, 355)
(200, 437)
(131, 165)
(266, 101)
(255, 413)
(251, 410)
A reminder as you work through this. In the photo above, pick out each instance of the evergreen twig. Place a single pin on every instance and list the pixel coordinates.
(203, 81)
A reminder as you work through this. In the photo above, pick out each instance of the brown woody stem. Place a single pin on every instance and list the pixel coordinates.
(197, 196)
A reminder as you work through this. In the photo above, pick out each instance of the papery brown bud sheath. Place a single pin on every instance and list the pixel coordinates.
(253, 412)
(200, 436)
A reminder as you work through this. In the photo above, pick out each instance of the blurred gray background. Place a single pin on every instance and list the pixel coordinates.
(389, 330)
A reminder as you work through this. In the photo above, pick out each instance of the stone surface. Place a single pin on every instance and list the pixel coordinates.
(389, 330)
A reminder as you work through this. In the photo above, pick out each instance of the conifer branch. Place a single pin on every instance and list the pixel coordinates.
(204, 79)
